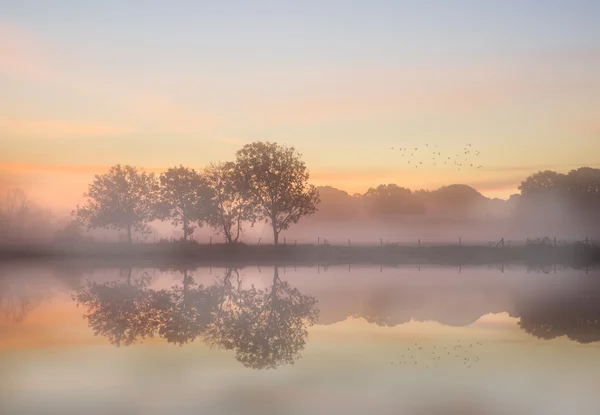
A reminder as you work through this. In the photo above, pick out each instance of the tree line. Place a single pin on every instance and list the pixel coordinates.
(270, 183)
(266, 182)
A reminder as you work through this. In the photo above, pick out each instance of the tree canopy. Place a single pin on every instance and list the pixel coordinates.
(185, 198)
(230, 208)
(124, 198)
(275, 179)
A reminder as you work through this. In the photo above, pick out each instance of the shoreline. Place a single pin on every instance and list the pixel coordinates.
(578, 255)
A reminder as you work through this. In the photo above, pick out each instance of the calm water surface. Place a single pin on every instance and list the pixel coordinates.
(411, 340)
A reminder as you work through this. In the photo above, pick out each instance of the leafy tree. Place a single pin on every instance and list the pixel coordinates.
(542, 181)
(391, 200)
(185, 198)
(123, 198)
(337, 205)
(230, 207)
(275, 179)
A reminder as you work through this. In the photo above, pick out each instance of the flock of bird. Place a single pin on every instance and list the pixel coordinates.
(431, 359)
(432, 155)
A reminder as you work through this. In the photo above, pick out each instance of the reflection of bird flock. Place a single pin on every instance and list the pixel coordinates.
(433, 156)
(464, 354)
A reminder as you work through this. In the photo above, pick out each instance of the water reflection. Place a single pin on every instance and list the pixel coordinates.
(265, 327)
(571, 310)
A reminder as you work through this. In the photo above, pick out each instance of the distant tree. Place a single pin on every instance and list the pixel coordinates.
(231, 209)
(337, 205)
(389, 200)
(583, 185)
(15, 208)
(542, 181)
(455, 201)
(275, 179)
(123, 198)
(185, 198)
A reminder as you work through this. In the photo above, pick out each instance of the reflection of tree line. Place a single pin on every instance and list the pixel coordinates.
(265, 328)
(558, 308)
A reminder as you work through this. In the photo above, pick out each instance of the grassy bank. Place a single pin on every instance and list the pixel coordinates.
(577, 255)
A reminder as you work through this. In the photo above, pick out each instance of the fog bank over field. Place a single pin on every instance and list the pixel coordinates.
(265, 197)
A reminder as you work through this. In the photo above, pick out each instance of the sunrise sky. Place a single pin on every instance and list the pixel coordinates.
(88, 84)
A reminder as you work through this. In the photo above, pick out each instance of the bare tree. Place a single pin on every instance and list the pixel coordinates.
(185, 198)
(123, 198)
(15, 208)
(231, 208)
(275, 179)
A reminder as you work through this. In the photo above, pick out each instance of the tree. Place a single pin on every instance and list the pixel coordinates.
(230, 208)
(336, 205)
(15, 208)
(185, 198)
(391, 200)
(275, 179)
(123, 198)
(541, 181)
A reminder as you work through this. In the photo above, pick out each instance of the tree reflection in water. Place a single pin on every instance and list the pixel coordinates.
(265, 328)
(572, 311)
(184, 311)
(124, 312)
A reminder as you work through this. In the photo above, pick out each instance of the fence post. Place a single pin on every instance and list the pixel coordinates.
(555, 241)
(419, 242)
(259, 239)
(318, 240)
(528, 241)
(586, 240)
(349, 244)
(295, 241)
(459, 241)
(210, 241)
(381, 241)
(502, 242)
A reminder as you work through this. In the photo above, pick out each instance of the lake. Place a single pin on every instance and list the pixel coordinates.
(310, 340)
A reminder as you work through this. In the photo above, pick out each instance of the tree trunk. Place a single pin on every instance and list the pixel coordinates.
(185, 229)
(129, 234)
(275, 235)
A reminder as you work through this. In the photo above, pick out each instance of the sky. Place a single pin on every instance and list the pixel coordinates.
(155, 84)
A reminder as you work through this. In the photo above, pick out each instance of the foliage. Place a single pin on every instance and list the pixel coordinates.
(275, 179)
(391, 200)
(230, 207)
(541, 181)
(123, 198)
(185, 198)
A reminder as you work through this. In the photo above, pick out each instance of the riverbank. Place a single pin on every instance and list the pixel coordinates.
(578, 255)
